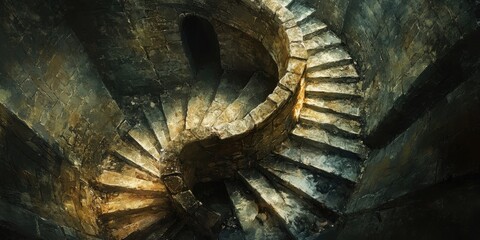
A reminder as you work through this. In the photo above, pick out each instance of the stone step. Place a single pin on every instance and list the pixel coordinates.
(324, 139)
(133, 225)
(201, 96)
(174, 103)
(329, 58)
(295, 214)
(345, 73)
(231, 84)
(255, 223)
(333, 90)
(133, 155)
(114, 164)
(347, 107)
(121, 203)
(158, 123)
(284, 3)
(321, 41)
(144, 137)
(321, 119)
(254, 93)
(316, 159)
(328, 193)
(300, 11)
(312, 27)
(119, 181)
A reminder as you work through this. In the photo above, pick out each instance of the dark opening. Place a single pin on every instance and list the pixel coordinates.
(200, 43)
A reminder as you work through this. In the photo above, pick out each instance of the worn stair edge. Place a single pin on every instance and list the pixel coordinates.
(124, 202)
(343, 73)
(300, 11)
(312, 27)
(174, 104)
(338, 90)
(130, 225)
(158, 124)
(117, 180)
(348, 108)
(321, 41)
(326, 192)
(255, 224)
(291, 211)
(134, 156)
(146, 139)
(322, 139)
(346, 169)
(329, 120)
(327, 59)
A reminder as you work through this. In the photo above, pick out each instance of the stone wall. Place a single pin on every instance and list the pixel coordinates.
(438, 146)
(240, 52)
(395, 41)
(37, 184)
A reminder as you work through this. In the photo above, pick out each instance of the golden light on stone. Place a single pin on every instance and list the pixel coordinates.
(300, 100)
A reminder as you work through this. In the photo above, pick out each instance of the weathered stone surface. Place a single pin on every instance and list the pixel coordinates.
(174, 104)
(145, 138)
(321, 41)
(187, 201)
(290, 81)
(334, 73)
(300, 11)
(122, 227)
(316, 118)
(248, 213)
(133, 155)
(252, 94)
(296, 66)
(201, 96)
(122, 202)
(158, 124)
(294, 34)
(327, 192)
(262, 112)
(236, 128)
(231, 84)
(279, 96)
(118, 180)
(312, 27)
(320, 160)
(341, 106)
(174, 183)
(322, 138)
(327, 59)
(297, 50)
(337, 90)
(294, 214)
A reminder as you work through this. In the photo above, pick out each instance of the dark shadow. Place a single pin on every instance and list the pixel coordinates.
(201, 44)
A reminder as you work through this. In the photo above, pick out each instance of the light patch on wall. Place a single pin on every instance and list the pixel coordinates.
(4, 95)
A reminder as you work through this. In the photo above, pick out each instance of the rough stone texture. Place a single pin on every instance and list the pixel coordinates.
(322, 41)
(157, 122)
(394, 41)
(313, 117)
(134, 156)
(334, 73)
(256, 223)
(118, 180)
(145, 138)
(133, 224)
(438, 146)
(341, 106)
(326, 192)
(302, 223)
(319, 160)
(339, 90)
(327, 59)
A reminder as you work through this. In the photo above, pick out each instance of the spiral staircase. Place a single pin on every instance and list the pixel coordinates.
(298, 191)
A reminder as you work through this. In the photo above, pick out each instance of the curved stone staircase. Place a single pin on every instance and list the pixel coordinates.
(299, 191)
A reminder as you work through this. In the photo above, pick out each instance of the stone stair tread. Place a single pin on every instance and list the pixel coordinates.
(339, 72)
(291, 210)
(255, 92)
(144, 136)
(300, 11)
(321, 41)
(319, 160)
(312, 27)
(340, 106)
(231, 84)
(158, 124)
(121, 228)
(329, 193)
(114, 164)
(333, 89)
(174, 103)
(284, 3)
(255, 224)
(327, 59)
(201, 96)
(118, 180)
(126, 202)
(312, 116)
(322, 138)
(133, 155)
